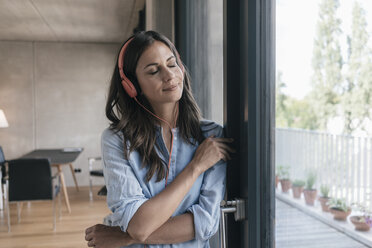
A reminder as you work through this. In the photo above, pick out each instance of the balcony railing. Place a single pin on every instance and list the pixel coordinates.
(342, 162)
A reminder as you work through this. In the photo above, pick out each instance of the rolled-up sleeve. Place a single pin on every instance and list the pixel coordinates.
(207, 211)
(124, 192)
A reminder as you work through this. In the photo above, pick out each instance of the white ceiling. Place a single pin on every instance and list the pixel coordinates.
(68, 20)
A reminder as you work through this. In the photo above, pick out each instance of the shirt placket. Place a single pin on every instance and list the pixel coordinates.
(172, 170)
(173, 160)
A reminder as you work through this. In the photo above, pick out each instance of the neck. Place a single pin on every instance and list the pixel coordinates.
(167, 112)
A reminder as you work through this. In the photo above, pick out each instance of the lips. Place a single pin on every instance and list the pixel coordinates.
(174, 87)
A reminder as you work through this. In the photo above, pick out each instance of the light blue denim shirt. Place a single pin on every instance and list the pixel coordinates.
(127, 188)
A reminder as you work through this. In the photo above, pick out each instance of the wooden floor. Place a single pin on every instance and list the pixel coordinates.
(295, 229)
(36, 227)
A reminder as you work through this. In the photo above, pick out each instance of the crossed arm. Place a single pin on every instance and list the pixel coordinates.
(176, 230)
(145, 227)
(151, 223)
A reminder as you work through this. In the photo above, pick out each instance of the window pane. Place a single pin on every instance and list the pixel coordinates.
(323, 123)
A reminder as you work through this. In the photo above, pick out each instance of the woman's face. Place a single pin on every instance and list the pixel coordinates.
(159, 76)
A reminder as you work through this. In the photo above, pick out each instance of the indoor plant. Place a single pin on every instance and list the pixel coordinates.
(285, 182)
(310, 192)
(363, 219)
(339, 208)
(324, 197)
(297, 188)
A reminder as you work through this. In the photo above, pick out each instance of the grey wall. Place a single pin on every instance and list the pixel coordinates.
(160, 17)
(53, 95)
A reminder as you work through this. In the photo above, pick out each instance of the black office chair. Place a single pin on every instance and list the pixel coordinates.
(32, 180)
(93, 172)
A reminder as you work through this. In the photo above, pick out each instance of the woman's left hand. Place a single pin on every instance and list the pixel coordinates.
(102, 236)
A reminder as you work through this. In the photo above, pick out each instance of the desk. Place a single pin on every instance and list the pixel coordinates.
(58, 158)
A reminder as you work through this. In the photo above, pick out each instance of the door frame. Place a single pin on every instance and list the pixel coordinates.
(249, 112)
(249, 115)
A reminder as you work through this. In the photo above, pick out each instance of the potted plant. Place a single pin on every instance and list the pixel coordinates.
(324, 197)
(285, 182)
(363, 219)
(310, 192)
(276, 178)
(339, 208)
(297, 188)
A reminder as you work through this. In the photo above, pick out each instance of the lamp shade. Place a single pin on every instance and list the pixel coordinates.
(3, 121)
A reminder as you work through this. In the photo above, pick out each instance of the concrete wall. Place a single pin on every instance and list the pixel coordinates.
(201, 46)
(53, 95)
(160, 17)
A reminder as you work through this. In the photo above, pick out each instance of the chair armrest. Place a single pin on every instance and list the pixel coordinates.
(91, 160)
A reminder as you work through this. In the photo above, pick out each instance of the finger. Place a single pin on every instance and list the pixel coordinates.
(88, 230)
(225, 155)
(91, 243)
(225, 147)
(225, 140)
(88, 236)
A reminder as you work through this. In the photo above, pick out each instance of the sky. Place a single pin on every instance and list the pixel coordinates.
(295, 32)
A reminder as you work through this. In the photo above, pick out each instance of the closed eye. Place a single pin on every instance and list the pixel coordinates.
(154, 72)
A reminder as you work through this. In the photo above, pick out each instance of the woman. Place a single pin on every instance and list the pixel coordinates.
(164, 168)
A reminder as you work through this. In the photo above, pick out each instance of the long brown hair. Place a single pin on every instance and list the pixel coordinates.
(137, 125)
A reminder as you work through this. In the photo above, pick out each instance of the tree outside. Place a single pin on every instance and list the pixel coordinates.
(341, 87)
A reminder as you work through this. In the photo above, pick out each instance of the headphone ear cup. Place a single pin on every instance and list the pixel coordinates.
(129, 87)
(126, 83)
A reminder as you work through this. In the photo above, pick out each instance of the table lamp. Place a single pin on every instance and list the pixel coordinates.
(3, 121)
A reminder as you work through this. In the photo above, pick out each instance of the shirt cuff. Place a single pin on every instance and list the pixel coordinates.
(205, 225)
(122, 218)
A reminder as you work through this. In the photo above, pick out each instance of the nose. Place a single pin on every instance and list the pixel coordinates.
(168, 73)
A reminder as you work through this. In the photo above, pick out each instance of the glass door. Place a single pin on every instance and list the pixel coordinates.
(323, 123)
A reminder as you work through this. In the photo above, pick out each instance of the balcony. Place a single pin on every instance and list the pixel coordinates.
(341, 162)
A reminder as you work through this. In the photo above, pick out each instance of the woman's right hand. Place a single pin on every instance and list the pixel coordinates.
(210, 151)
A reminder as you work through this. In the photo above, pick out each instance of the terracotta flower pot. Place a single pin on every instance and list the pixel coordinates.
(296, 191)
(359, 223)
(310, 196)
(323, 203)
(286, 185)
(339, 214)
